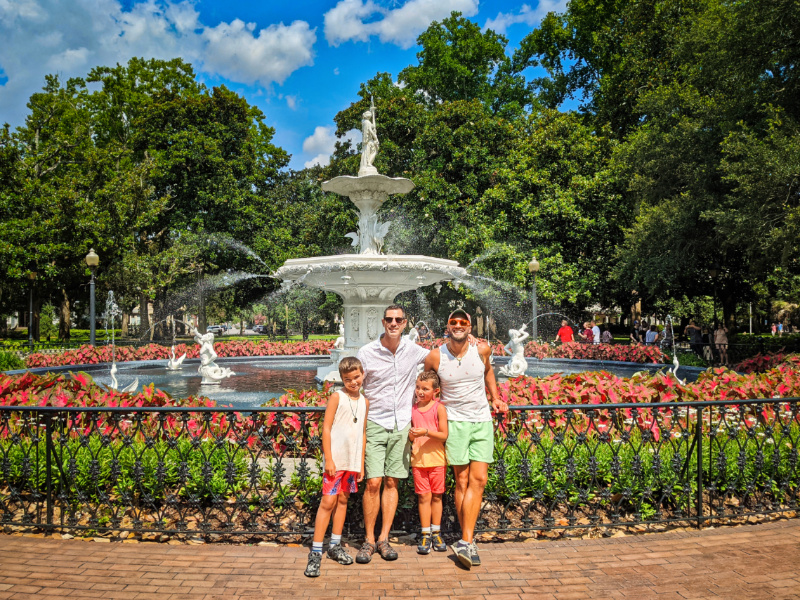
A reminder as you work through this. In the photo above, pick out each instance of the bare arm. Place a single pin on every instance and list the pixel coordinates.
(488, 375)
(432, 360)
(330, 413)
(364, 445)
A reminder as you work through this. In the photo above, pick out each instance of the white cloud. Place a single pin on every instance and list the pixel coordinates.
(69, 38)
(355, 20)
(291, 102)
(322, 143)
(527, 15)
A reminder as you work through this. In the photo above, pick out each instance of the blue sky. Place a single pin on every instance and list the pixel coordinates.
(300, 62)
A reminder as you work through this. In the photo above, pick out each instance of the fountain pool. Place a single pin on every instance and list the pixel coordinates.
(259, 379)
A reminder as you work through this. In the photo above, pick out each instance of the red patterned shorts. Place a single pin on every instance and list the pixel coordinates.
(342, 482)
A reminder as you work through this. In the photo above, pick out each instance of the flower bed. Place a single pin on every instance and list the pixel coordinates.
(87, 355)
(761, 363)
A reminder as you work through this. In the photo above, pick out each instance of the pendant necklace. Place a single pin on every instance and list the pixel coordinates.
(350, 404)
(459, 358)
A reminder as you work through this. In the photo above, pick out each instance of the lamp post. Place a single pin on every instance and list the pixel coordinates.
(92, 260)
(32, 277)
(713, 273)
(533, 267)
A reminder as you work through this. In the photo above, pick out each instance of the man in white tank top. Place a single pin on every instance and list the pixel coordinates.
(465, 372)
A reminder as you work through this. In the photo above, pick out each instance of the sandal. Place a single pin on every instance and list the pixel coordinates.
(365, 553)
(386, 551)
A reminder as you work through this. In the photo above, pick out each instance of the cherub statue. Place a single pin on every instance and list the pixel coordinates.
(369, 143)
(516, 348)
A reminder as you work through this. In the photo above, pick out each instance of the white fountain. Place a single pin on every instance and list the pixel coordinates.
(369, 281)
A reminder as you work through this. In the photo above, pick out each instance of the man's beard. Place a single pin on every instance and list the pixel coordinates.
(459, 337)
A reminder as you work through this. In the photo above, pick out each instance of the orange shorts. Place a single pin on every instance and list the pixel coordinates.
(429, 480)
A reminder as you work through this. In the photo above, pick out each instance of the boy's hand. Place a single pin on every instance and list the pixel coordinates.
(361, 475)
(416, 432)
(330, 467)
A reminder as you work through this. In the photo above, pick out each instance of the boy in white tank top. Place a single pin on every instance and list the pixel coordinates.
(343, 441)
(465, 373)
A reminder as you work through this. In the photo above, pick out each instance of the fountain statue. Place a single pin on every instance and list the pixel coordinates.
(115, 386)
(369, 281)
(517, 365)
(413, 335)
(174, 364)
(211, 372)
(112, 310)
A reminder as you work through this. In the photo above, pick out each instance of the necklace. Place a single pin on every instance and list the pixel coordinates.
(350, 404)
(459, 358)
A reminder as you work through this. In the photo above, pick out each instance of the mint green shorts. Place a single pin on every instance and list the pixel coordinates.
(388, 452)
(469, 442)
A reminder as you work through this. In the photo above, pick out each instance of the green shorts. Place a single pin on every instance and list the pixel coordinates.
(388, 452)
(468, 442)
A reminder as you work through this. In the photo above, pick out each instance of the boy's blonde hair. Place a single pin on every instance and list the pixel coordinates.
(349, 364)
(429, 376)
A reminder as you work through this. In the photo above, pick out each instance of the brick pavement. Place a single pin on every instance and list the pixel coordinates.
(759, 561)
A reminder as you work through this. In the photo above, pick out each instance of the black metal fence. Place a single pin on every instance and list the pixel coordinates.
(222, 472)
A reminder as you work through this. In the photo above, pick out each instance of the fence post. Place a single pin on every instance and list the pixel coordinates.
(698, 433)
(48, 433)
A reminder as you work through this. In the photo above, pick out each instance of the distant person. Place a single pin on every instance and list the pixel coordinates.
(424, 332)
(587, 337)
(774, 329)
(780, 329)
(634, 335)
(721, 342)
(343, 444)
(651, 337)
(695, 335)
(607, 337)
(706, 341)
(565, 333)
(667, 337)
(595, 332)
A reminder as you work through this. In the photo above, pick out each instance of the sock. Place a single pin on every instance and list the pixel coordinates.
(316, 547)
(335, 539)
(426, 530)
(462, 543)
(435, 528)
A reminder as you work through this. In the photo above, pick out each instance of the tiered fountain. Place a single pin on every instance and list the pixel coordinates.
(369, 281)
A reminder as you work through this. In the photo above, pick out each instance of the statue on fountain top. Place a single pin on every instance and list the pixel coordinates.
(369, 143)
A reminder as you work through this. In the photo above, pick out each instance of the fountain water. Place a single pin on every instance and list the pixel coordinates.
(368, 281)
(112, 310)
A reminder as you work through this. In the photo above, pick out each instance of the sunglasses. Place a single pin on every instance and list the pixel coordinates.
(457, 322)
(394, 319)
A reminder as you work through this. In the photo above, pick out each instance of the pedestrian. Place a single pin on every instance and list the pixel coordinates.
(607, 337)
(565, 333)
(651, 337)
(634, 336)
(780, 329)
(587, 336)
(774, 329)
(695, 335)
(465, 374)
(428, 461)
(721, 342)
(343, 442)
(595, 332)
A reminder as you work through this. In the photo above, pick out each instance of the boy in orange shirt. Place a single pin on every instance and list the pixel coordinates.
(428, 460)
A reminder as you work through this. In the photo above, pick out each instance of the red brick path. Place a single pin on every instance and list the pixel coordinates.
(759, 561)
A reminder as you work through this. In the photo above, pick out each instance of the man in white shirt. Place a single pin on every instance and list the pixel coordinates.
(391, 364)
(595, 332)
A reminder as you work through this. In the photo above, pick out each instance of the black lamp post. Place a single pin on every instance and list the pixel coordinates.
(533, 267)
(713, 273)
(92, 260)
(32, 277)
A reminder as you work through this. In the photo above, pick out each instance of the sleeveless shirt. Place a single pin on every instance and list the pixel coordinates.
(347, 438)
(427, 452)
(463, 386)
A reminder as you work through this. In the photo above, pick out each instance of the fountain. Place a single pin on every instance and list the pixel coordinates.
(517, 365)
(368, 281)
(112, 310)
(212, 373)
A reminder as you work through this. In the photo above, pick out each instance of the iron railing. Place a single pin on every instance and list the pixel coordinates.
(224, 472)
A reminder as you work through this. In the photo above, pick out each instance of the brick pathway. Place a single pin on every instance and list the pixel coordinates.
(759, 561)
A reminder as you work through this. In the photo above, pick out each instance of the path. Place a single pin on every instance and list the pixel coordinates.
(759, 561)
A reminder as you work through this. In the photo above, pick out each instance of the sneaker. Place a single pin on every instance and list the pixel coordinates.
(314, 560)
(340, 555)
(425, 544)
(438, 542)
(473, 552)
(463, 554)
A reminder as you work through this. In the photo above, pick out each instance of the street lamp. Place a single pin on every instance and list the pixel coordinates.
(533, 267)
(32, 277)
(92, 260)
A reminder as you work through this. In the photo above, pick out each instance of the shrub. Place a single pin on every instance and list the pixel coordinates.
(9, 361)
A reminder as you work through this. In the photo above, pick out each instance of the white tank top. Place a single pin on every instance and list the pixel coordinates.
(347, 437)
(463, 386)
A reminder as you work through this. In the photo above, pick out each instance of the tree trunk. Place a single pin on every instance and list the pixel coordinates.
(144, 317)
(64, 318)
(125, 324)
(37, 304)
(241, 325)
(201, 314)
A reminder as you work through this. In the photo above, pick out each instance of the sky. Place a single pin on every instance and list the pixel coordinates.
(299, 61)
